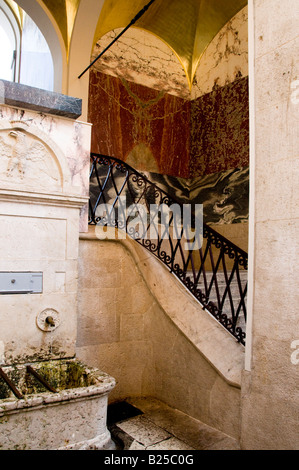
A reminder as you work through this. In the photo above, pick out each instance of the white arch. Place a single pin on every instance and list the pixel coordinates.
(53, 38)
(81, 50)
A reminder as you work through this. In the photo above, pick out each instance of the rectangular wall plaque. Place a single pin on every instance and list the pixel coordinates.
(21, 283)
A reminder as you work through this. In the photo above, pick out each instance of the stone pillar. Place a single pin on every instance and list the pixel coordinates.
(44, 187)
(270, 413)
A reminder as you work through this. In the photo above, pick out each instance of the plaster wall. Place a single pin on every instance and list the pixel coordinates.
(270, 403)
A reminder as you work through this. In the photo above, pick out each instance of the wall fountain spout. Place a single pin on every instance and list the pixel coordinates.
(50, 321)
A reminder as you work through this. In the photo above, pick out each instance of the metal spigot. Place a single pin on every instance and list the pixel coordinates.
(50, 321)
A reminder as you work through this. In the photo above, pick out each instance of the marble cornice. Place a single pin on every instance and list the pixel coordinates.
(54, 199)
(42, 101)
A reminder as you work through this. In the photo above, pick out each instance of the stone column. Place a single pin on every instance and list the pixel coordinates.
(270, 388)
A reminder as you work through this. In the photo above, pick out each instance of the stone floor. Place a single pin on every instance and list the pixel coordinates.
(148, 424)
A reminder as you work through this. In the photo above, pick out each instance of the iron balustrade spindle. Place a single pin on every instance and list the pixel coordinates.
(215, 272)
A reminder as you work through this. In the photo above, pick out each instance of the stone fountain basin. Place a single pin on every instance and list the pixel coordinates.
(74, 416)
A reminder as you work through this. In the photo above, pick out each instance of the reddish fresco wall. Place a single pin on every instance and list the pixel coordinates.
(129, 119)
(159, 132)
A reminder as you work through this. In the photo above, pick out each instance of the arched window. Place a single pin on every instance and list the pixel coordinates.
(10, 40)
(25, 56)
(36, 59)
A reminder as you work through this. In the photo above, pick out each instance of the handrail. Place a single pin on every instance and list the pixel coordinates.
(41, 379)
(214, 273)
(10, 384)
(29, 370)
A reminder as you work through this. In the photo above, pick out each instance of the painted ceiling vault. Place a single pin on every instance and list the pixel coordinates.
(64, 12)
(187, 27)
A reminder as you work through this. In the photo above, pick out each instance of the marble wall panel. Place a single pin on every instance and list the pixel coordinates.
(141, 57)
(224, 195)
(226, 57)
(158, 132)
(148, 128)
(195, 150)
(220, 129)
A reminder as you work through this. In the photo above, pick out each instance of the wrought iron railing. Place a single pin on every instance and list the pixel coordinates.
(215, 272)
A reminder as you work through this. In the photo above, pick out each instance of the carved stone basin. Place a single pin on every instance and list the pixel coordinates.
(54, 405)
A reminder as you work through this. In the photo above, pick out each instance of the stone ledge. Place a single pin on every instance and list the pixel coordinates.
(46, 198)
(42, 101)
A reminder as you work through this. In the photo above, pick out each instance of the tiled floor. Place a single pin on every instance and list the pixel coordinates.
(147, 424)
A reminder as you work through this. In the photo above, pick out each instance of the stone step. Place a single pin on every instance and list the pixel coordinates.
(148, 424)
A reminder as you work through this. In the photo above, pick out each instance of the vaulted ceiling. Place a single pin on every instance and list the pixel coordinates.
(187, 26)
(64, 12)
